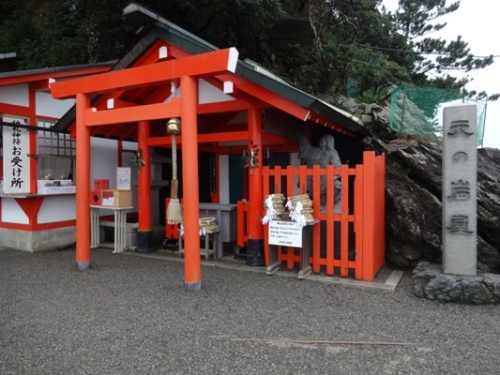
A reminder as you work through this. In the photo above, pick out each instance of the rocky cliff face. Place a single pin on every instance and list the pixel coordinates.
(413, 195)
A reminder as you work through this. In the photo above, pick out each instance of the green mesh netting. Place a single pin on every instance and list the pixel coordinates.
(418, 110)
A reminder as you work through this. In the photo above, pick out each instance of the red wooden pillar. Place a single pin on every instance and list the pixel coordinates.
(145, 229)
(189, 104)
(255, 242)
(82, 184)
(369, 206)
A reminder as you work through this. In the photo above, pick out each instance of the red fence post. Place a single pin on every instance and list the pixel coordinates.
(330, 221)
(344, 222)
(380, 210)
(369, 216)
(358, 221)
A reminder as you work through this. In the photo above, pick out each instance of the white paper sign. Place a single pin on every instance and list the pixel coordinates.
(123, 179)
(16, 163)
(285, 233)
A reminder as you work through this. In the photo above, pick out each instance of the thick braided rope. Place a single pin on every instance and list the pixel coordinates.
(174, 157)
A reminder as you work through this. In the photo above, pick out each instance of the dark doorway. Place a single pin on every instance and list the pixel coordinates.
(236, 178)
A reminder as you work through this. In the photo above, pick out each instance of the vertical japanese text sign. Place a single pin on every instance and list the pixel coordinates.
(459, 190)
(16, 164)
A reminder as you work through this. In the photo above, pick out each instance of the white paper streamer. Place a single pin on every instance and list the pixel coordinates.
(270, 212)
(296, 213)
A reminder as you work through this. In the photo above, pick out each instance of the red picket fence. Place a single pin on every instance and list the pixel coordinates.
(351, 243)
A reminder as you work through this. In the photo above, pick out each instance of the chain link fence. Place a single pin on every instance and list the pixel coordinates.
(418, 111)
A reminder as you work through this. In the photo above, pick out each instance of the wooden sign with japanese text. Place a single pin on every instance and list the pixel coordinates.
(16, 162)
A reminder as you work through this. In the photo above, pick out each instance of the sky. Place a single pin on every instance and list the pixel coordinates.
(478, 23)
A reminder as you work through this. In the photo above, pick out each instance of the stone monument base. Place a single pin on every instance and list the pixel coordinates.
(429, 282)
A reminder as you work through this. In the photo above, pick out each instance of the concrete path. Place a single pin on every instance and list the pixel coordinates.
(130, 315)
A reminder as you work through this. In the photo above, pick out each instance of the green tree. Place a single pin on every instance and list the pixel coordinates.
(348, 48)
(415, 20)
(322, 46)
(65, 32)
(15, 24)
(244, 24)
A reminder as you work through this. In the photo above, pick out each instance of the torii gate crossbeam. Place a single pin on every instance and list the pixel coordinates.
(187, 70)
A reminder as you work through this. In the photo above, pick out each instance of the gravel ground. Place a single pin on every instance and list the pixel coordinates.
(131, 315)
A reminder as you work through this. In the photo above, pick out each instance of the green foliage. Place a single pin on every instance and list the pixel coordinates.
(244, 24)
(65, 32)
(414, 16)
(322, 46)
(415, 20)
(341, 54)
(15, 26)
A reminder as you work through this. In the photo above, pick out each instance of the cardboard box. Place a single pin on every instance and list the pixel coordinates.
(116, 198)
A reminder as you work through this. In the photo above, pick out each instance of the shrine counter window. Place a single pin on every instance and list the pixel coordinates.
(55, 153)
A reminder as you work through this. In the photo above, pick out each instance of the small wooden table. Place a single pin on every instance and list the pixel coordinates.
(120, 226)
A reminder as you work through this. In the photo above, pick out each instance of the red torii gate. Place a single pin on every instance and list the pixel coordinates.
(187, 70)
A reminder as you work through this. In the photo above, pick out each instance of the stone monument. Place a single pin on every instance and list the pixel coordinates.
(458, 279)
(459, 190)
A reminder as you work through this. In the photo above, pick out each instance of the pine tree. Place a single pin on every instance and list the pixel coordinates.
(415, 20)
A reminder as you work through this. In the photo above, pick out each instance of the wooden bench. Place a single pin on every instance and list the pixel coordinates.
(206, 250)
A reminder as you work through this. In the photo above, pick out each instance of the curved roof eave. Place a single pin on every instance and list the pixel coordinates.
(168, 31)
(58, 69)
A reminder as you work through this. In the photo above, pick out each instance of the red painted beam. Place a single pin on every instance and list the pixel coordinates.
(221, 107)
(211, 63)
(15, 109)
(133, 114)
(278, 139)
(203, 109)
(274, 99)
(53, 75)
(202, 138)
(330, 124)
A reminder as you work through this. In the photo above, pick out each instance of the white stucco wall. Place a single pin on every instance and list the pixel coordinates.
(56, 208)
(12, 213)
(103, 160)
(208, 93)
(103, 164)
(47, 106)
(15, 94)
(128, 161)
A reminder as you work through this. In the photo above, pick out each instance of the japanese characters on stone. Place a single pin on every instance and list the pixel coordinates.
(460, 189)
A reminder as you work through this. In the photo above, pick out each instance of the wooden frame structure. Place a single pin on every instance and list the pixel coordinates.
(30, 221)
(159, 80)
(349, 243)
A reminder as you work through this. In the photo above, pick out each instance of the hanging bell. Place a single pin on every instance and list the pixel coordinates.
(174, 126)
